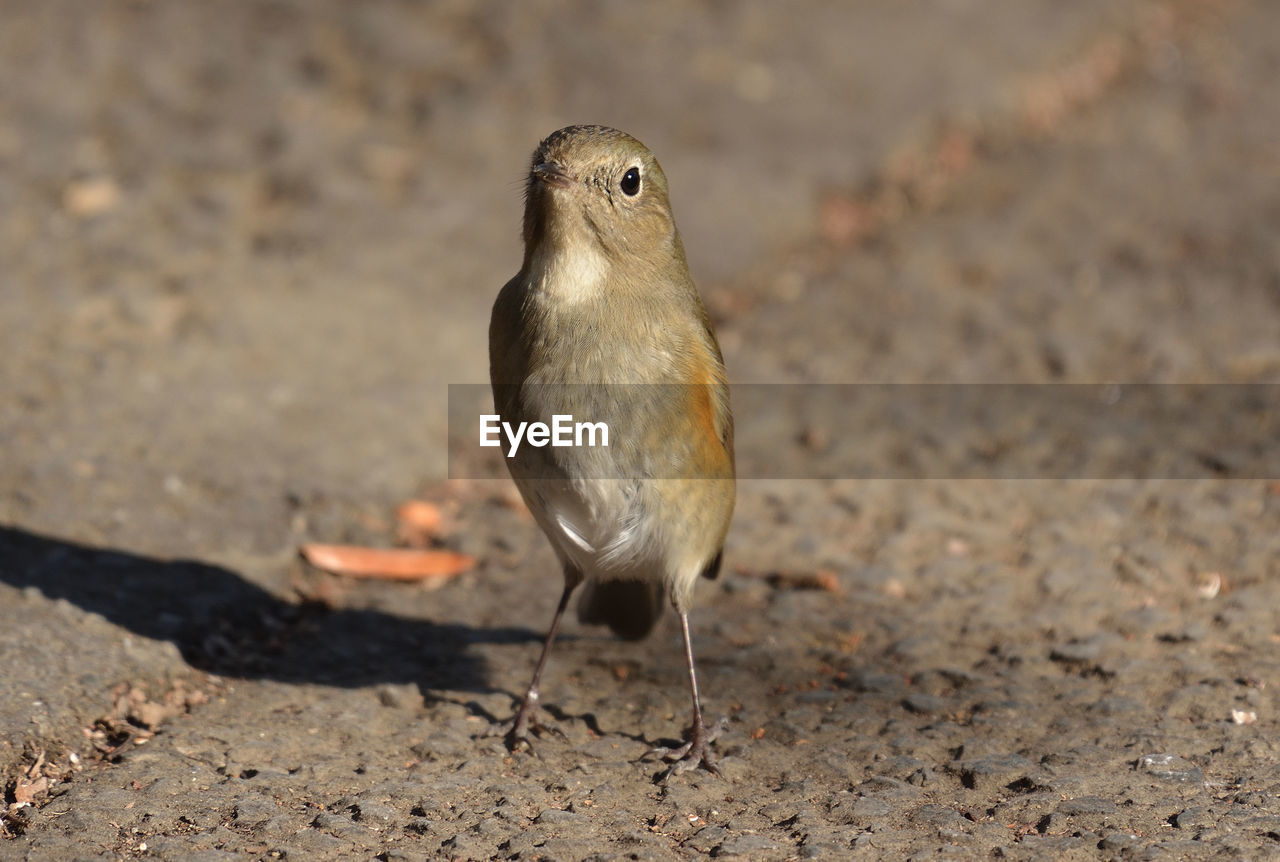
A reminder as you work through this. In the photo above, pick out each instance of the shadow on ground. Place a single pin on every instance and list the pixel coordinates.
(223, 624)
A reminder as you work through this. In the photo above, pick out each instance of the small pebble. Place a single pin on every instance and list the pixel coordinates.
(1170, 767)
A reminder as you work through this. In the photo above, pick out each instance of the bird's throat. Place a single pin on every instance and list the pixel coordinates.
(569, 275)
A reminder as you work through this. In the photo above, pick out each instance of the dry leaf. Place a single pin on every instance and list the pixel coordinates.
(823, 579)
(418, 522)
(397, 564)
(29, 790)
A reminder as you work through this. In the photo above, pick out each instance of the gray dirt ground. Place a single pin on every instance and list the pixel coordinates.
(246, 244)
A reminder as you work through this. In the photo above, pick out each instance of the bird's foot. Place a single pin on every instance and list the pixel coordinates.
(515, 730)
(694, 753)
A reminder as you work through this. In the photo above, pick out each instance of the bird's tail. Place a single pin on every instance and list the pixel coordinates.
(629, 608)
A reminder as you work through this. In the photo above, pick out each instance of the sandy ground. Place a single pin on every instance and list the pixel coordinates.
(247, 245)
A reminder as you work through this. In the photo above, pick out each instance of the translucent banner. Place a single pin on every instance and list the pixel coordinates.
(875, 431)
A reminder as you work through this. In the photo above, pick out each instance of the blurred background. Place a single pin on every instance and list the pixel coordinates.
(246, 244)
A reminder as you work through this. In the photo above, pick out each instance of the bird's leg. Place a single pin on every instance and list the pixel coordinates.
(697, 748)
(517, 729)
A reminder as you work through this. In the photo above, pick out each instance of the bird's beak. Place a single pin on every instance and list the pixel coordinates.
(553, 173)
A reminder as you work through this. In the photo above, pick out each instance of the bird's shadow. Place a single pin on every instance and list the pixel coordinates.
(226, 625)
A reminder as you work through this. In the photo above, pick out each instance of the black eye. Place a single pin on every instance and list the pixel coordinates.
(631, 182)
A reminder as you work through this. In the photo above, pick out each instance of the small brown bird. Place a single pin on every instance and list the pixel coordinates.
(603, 323)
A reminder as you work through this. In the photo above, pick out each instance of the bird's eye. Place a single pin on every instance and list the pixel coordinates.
(631, 182)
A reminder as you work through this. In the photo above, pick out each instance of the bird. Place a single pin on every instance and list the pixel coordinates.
(603, 322)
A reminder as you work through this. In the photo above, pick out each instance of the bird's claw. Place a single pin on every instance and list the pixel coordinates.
(694, 753)
(515, 731)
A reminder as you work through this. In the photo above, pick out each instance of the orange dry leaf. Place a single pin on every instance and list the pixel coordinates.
(823, 579)
(394, 564)
(418, 522)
